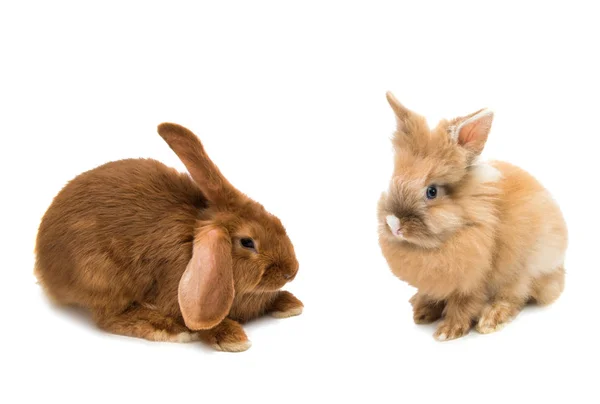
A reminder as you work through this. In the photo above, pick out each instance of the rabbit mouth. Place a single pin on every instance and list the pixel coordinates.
(275, 278)
(405, 232)
(399, 229)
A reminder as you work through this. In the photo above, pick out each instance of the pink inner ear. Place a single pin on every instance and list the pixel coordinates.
(206, 287)
(473, 133)
(469, 133)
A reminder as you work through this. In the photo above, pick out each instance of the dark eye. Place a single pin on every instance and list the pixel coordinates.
(431, 192)
(247, 243)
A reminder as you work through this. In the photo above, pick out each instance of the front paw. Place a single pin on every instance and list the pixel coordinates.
(426, 311)
(286, 305)
(232, 346)
(448, 330)
(228, 336)
(495, 316)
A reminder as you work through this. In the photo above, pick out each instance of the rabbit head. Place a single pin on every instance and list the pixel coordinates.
(238, 247)
(435, 176)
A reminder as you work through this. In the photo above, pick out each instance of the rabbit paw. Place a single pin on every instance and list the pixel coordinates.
(286, 305)
(425, 315)
(232, 346)
(182, 337)
(228, 336)
(494, 317)
(426, 311)
(448, 330)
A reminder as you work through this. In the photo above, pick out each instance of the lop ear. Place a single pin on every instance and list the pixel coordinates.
(472, 131)
(204, 172)
(206, 288)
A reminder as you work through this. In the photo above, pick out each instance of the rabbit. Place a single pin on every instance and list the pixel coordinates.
(155, 254)
(477, 240)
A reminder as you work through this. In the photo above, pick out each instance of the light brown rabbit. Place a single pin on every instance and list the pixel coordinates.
(155, 254)
(477, 240)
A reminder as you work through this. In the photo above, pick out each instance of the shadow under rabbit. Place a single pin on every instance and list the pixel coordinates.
(82, 316)
(524, 315)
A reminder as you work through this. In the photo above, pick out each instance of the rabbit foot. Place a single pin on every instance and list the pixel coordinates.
(448, 330)
(426, 311)
(187, 337)
(289, 313)
(286, 305)
(495, 317)
(239, 346)
(145, 321)
(182, 337)
(227, 336)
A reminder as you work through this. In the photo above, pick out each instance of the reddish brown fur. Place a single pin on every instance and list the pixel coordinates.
(482, 248)
(117, 239)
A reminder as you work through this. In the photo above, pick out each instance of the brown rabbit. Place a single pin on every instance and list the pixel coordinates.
(155, 254)
(477, 240)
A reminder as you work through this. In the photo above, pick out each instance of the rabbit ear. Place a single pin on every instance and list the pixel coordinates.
(408, 122)
(472, 132)
(206, 288)
(402, 113)
(204, 172)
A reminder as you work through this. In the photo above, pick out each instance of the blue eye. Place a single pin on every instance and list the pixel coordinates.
(247, 243)
(431, 192)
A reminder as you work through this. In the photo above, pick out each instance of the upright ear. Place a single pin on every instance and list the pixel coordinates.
(472, 131)
(204, 172)
(402, 113)
(206, 288)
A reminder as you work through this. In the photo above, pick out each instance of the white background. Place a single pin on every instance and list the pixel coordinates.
(289, 100)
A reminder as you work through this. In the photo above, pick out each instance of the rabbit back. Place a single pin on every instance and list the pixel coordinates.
(118, 234)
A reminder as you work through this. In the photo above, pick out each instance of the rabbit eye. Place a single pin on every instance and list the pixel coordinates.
(431, 192)
(247, 243)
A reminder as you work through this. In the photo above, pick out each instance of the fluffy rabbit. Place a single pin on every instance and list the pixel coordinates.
(155, 254)
(477, 240)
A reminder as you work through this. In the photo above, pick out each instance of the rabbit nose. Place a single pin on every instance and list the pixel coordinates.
(394, 224)
(293, 272)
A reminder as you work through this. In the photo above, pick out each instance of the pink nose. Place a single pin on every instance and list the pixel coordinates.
(394, 224)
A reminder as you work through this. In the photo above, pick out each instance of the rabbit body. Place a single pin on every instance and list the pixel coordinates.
(118, 239)
(490, 238)
(118, 234)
